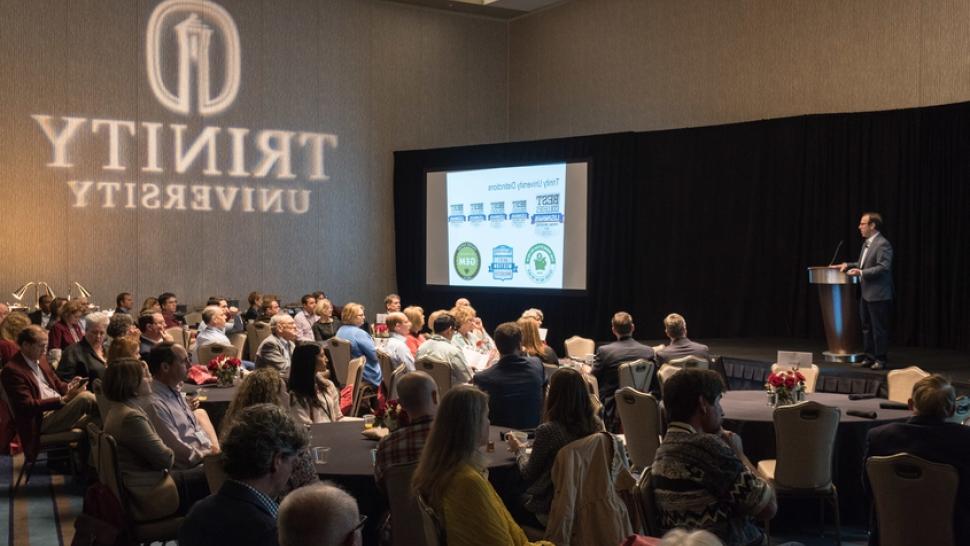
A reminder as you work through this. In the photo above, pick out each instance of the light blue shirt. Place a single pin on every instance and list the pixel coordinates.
(397, 348)
(207, 336)
(361, 344)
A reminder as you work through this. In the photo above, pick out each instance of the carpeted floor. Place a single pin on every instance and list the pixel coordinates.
(44, 510)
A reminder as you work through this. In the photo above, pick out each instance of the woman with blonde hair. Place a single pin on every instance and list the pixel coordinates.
(68, 330)
(414, 338)
(532, 343)
(361, 344)
(123, 347)
(325, 327)
(10, 328)
(450, 474)
(150, 305)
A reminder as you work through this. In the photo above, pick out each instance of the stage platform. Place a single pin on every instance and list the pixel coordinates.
(747, 363)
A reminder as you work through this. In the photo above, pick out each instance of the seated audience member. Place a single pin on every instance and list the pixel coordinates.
(121, 325)
(450, 474)
(266, 386)
(325, 326)
(534, 314)
(150, 305)
(4, 311)
(701, 477)
(124, 302)
(234, 320)
(680, 345)
(414, 337)
(87, 357)
(607, 363)
(211, 330)
(439, 347)
(255, 305)
(276, 351)
(10, 328)
(570, 414)
(313, 397)
(397, 347)
(174, 418)
(418, 395)
(462, 302)
(392, 303)
(155, 489)
(320, 515)
(928, 435)
(42, 315)
(153, 332)
(269, 309)
(42, 402)
(68, 329)
(469, 333)
(259, 451)
(169, 304)
(515, 384)
(680, 537)
(123, 347)
(306, 317)
(533, 345)
(361, 344)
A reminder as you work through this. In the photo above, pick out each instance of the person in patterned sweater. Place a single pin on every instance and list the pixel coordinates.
(701, 477)
(418, 395)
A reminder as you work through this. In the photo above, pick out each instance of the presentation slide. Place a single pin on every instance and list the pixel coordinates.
(509, 227)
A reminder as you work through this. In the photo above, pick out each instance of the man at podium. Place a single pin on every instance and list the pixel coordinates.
(875, 271)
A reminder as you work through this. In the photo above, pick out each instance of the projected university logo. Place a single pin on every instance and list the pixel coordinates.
(540, 263)
(186, 19)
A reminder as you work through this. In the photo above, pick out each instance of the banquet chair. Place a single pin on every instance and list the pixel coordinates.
(179, 335)
(439, 370)
(549, 369)
(357, 375)
(640, 415)
(193, 318)
(434, 530)
(109, 474)
(212, 350)
(811, 374)
(387, 369)
(647, 505)
(914, 500)
(340, 358)
(805, 441)
(396, 376)
(901, 382)
(404, 507)
(665, 371)
(215, 474)
(578, 347)
(691, 361)
(238, 340)
(637, 374)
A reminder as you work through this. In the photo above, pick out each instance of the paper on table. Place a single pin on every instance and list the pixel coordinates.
(476, 360)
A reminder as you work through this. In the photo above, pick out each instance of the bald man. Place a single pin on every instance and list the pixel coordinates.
(418, 394)
(321, 514)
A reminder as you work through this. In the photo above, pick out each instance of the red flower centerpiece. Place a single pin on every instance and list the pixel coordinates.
(785, 387)
(225, 369)
(391, 415)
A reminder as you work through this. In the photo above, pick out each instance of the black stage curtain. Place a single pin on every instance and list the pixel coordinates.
(719, 223)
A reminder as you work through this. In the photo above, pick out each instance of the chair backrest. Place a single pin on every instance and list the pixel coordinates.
(578, 347)
(549, 369)
(914, 500)
(395, 377)
(404, 507)
(215, 474)
(665, 371)
(357, 373)
(439, 370)
(691, 361)
(107, 466)
(251, 344)
(387, 368)
(901, 382)
(212, 350)
(179, 335)
(647, 505)
(194, 317)
(238, 340)
(640, 416)
(637, 374)
(340, 358)
(804, 442)
(434, 530)
(810, 373)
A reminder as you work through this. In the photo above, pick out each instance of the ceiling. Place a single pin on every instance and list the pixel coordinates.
(499, 9)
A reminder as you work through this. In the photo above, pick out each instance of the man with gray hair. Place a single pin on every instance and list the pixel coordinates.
(680, 345)
(211, 331)
(418, 395)
(258, 453)
(321, 514)
(277, 349)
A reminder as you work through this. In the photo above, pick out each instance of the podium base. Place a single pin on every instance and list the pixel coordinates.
(844, 358)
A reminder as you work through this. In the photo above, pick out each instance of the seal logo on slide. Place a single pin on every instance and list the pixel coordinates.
(540, 263)
(467, 261)
(503, 267)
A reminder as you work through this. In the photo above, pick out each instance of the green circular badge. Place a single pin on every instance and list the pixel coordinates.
(540, 263)
(468, 261)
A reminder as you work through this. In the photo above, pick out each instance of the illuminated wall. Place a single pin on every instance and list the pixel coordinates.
(223, 147)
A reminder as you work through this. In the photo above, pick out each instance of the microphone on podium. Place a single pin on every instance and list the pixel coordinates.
(839, 247)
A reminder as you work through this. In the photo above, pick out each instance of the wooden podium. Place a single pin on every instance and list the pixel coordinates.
(840, 308)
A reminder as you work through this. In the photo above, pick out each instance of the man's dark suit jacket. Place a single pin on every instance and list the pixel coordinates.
(79, 360)
(23, 393)
(877, 271)
(936, 441)
(234, 516)
(680, 348)
(36, 317)
(515, 387)
(606, 368)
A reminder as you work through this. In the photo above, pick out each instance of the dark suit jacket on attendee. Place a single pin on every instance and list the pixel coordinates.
(23, 392)
(936, 441)
(80, 360)
(877, 271)
(36, 317)
(145, 347)
(234, 516)
(681, 348)
(515, 387)
(606, 366)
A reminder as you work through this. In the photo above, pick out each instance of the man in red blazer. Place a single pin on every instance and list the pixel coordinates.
(40, 400)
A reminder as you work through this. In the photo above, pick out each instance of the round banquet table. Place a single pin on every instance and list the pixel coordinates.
(747, 413)
(217, 400)
(350, 465)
